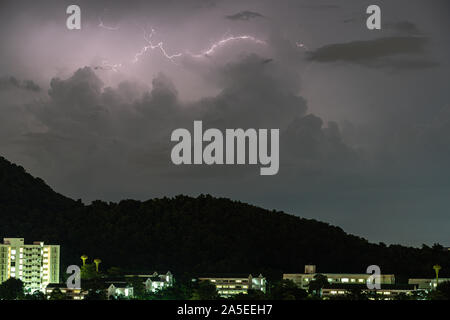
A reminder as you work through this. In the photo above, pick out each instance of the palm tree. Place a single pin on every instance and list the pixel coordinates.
(97, 262)
(84, 258)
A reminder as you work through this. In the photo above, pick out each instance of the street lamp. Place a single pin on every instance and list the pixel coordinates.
(436, 268)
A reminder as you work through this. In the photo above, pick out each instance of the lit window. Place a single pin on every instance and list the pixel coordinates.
(361, 280)
(344, 279)
(352, 280)
(333, 292)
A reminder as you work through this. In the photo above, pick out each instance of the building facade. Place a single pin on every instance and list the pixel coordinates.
(70, 293)
(344, 283)
(228, 286)
(303, 279)
(156, 281)
(427, 284)
(35, 264)
(119, 289)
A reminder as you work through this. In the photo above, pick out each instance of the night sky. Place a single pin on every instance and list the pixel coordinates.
(364, 115)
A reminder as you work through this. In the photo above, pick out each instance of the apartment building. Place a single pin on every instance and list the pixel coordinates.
(227, 286)
(35, 264)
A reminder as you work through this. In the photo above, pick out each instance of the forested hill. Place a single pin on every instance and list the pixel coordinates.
(196, 235)
(27, 202)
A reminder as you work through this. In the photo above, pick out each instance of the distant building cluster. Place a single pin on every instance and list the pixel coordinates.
(37, 265)
(119, 287)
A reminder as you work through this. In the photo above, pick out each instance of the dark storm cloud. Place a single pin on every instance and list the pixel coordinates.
(90, 128)
(12, 82)
(404, 27)
(244, 16)
(380, 52)
(319, 6)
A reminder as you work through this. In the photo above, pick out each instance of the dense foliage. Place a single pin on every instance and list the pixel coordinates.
(195, 235)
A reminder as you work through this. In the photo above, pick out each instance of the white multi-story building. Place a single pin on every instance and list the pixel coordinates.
(35, 264)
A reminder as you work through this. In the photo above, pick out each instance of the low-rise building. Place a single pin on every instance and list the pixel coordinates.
(386, 292)
(156, 281)
(345, 283)
(70, 293)
(426, 284)
(230, 285)
(303, 279)
(118, 289)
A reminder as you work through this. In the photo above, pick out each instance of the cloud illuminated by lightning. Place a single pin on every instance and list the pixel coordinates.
(301, 45)
(108, 66)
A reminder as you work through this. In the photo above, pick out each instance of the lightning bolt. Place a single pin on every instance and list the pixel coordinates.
(159, 45)
(208, 52)
(223, 42)
(103, 26)
(148, 36)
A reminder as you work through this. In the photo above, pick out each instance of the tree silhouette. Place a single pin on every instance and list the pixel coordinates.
(12, 289)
